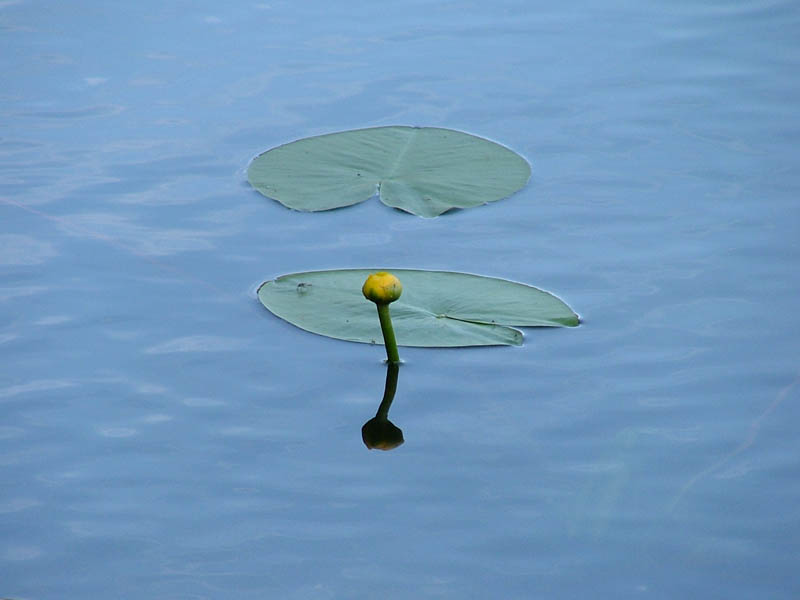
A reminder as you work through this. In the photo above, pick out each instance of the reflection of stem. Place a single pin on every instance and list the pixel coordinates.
(392, 369)
(379, 432)
(388, 334)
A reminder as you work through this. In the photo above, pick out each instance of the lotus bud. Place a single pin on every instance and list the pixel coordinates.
(382, 288)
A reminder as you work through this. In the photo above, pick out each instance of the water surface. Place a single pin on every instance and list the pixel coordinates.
(163, 436)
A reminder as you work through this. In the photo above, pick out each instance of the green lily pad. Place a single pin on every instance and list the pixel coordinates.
(422, 170)
(436, 309)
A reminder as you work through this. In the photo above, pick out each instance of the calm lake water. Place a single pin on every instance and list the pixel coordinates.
(163, 436)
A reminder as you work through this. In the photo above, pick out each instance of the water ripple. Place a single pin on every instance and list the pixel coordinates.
(40, 385)
(17, 250)
(16, 553)
(17, 504)
(77, 113)
(197, 343)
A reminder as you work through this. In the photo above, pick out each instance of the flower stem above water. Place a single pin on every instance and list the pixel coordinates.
(383, 288)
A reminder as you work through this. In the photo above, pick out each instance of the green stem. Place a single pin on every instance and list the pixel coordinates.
(388, 333)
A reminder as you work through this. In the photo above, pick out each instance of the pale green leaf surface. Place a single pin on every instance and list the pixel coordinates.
(422, 170)
(436, 309)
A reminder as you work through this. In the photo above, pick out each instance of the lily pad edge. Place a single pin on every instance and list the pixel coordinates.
(377, 191)
(578, 321)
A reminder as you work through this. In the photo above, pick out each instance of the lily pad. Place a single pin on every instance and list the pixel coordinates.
(436, 309)
(422, 170)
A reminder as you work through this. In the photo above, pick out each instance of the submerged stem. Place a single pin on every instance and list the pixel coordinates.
(379, 432)
(388, 333)
(389, 390)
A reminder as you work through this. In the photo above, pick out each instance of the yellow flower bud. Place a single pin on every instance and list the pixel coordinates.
(382, 288)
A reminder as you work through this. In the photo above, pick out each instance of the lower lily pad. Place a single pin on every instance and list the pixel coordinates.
(422, 170)
(436, 309)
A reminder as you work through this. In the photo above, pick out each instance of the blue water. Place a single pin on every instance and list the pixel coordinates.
(163, 436)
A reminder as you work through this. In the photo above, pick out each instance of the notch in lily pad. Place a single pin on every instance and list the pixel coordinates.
(425, 171)
(436, 309)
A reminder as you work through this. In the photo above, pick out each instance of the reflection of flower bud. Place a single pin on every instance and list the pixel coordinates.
(381, 434)
(382, 288)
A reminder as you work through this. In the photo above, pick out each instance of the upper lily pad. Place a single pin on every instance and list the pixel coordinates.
(436, 309)
(422, 170)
